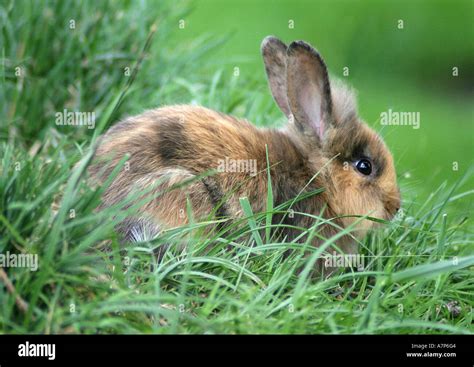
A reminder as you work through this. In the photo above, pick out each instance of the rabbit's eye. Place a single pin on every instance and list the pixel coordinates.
(364, 166)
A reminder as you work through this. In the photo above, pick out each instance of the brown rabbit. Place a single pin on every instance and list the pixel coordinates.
(324, 145)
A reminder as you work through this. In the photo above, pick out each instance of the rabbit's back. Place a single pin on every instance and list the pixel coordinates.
(171, 152)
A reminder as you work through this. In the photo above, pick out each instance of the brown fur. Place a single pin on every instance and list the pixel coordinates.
(172, 145)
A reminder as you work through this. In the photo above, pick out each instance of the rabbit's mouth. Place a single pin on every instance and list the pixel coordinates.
(392, 205)
(391, 211)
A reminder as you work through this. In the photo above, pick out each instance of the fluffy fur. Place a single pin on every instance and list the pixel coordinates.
(174, 145)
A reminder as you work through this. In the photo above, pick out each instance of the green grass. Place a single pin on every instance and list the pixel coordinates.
(415, 266)
(87, 284)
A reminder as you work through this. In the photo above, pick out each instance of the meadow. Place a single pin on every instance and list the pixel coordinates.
(117, 59)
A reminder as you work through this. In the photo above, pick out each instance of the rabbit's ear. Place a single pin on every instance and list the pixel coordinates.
(274, 56)
(309, 93)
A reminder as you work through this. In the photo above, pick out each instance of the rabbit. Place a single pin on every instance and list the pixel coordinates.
(324, 145)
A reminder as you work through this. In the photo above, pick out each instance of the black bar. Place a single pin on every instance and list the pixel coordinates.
(224, 349)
